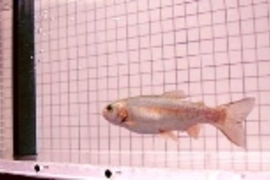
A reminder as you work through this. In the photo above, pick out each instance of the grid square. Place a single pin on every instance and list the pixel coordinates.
(262, 39)
(261, 25)
(180, 23)
(206, 46)
(143, 17)
(263, 53)
(248, 26)
(217, 5)
(235, 43)
(205, 6)
(220, 30)
(221, 45)
(232, 15)
(166, 13)
(249, 41)
(246, 12)
(206, 33)
(192, 21)
(260, 10)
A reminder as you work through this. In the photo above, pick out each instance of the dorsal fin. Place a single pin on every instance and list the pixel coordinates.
(201, 103)
(174, 94)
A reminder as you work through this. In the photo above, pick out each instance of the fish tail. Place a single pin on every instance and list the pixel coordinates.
(231, 123)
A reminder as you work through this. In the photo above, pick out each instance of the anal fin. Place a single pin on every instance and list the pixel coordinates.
(194, 131)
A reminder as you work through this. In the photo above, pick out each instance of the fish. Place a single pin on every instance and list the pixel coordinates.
(170, 111)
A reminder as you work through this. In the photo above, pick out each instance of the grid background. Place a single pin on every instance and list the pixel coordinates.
(89, 53)
(6, 147)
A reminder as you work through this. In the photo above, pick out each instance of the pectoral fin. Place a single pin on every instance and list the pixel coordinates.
(122, 114)
(130, 123)
(194, 131)
(168, 134)
(175, 94)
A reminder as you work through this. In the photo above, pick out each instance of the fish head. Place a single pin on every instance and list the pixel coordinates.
(115, 113)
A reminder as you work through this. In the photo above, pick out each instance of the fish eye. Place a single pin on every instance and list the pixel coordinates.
(109, 108)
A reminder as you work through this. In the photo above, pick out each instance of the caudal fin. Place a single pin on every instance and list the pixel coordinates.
(236, 113)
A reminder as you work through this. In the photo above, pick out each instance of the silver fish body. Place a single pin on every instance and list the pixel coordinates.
(162, 114)
(176, 114)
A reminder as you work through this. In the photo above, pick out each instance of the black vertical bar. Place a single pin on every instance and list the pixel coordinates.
(24, 102)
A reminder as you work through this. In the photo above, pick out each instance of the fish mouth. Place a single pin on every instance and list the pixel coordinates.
(104, 114)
